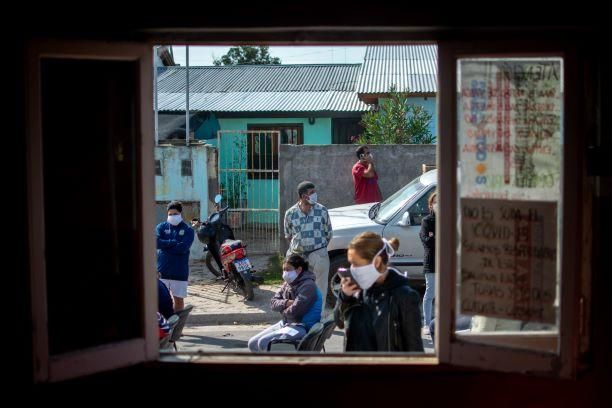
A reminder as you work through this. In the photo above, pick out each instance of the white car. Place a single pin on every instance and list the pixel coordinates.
(398, 216)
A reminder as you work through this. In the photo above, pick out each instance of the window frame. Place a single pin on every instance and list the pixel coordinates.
(454, 349)
(448, 349)
(109, 356)
(186, 168)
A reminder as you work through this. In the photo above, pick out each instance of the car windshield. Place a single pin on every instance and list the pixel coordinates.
(397, 201)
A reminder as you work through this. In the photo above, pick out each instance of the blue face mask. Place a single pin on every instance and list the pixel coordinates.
(289, 276)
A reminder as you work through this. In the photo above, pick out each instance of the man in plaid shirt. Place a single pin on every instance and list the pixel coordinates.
(309, 230)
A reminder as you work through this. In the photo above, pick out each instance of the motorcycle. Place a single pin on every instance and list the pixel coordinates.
(229, 254)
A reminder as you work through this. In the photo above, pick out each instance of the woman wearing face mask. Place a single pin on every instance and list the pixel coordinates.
(299, 302)
(428, 238)
(376, 306)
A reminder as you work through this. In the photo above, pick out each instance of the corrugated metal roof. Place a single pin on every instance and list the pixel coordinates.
(338, 101)
(262, 88)
(412, 67)
(260, 78)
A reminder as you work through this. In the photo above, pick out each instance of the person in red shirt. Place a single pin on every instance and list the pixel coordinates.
(365, 178)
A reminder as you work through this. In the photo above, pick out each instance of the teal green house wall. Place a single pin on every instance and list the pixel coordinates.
(260, 193)
(429, 104)
(318, 133)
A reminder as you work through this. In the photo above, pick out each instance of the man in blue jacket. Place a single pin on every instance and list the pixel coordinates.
(174, 238)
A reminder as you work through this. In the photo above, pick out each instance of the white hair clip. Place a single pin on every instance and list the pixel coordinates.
(388, 248)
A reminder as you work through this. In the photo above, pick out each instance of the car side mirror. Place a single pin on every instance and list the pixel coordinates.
(405, 221)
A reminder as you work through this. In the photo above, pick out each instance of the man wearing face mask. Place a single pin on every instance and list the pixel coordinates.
(174, 239)
(309, 230)
(365, 178)
(376, 306)
(299, 301)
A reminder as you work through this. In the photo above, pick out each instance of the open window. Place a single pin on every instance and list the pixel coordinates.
(510, 182)
(115, 117)
(90, 169)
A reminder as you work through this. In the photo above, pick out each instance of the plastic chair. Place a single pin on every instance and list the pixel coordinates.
(165, 341)
(329, 325)
(178, 329)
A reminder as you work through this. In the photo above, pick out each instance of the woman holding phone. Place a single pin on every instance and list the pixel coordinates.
(377, 308)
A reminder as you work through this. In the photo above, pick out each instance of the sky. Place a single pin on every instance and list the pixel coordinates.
(288, 55)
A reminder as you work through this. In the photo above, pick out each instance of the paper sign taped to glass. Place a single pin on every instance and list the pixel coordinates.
(509, 259)
(510, 127)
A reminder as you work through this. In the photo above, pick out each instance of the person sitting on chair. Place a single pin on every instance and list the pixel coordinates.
(165, 304)
(163, 326)
(298, 300)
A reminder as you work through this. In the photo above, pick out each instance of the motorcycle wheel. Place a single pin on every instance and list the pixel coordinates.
(211, 264)
(241, 284)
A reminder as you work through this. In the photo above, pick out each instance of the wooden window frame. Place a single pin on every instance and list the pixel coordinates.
(449, 348)
(466, 351)
(112, 355)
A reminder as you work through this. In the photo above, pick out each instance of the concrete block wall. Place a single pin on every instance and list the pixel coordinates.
(329, 168)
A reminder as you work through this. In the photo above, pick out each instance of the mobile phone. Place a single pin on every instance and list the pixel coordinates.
(344, 273)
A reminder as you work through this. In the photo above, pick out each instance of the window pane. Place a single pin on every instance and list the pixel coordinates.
(510, 114)
(90, 186)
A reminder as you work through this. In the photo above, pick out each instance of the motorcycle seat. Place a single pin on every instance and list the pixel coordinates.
(231, 244)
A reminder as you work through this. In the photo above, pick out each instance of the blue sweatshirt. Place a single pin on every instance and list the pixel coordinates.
(173, 245)
(164, 300)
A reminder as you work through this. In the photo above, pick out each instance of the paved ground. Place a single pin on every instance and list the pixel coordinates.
(224, 321)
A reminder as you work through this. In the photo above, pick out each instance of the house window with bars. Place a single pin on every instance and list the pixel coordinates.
(186, 168)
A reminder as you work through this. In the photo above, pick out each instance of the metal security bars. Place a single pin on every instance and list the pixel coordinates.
(248, 182)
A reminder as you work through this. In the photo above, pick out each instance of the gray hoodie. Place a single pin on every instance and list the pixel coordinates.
(303, 292)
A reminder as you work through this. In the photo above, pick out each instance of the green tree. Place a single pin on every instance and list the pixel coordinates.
(244, 55)
(396, 122)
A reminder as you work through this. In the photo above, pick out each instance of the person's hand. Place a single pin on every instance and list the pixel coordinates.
(289, 303)
(431, 233)
(349, 287)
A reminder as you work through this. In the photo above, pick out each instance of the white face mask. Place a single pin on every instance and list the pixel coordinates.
(175, 219)
(368, 274)
(289, 276)
(435, 208)
(312, 199)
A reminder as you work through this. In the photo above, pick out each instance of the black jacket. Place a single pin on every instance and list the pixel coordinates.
(429, 243)
(386, 318)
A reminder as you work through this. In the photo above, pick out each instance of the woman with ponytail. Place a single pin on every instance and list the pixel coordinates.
(377, 308)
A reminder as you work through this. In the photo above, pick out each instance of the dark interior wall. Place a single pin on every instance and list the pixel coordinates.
(15, 183)
(431, 386)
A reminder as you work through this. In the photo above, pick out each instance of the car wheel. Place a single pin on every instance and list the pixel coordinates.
(338, 261)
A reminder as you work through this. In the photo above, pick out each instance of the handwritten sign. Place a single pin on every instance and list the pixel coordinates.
(510, 127)
(509, 259)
